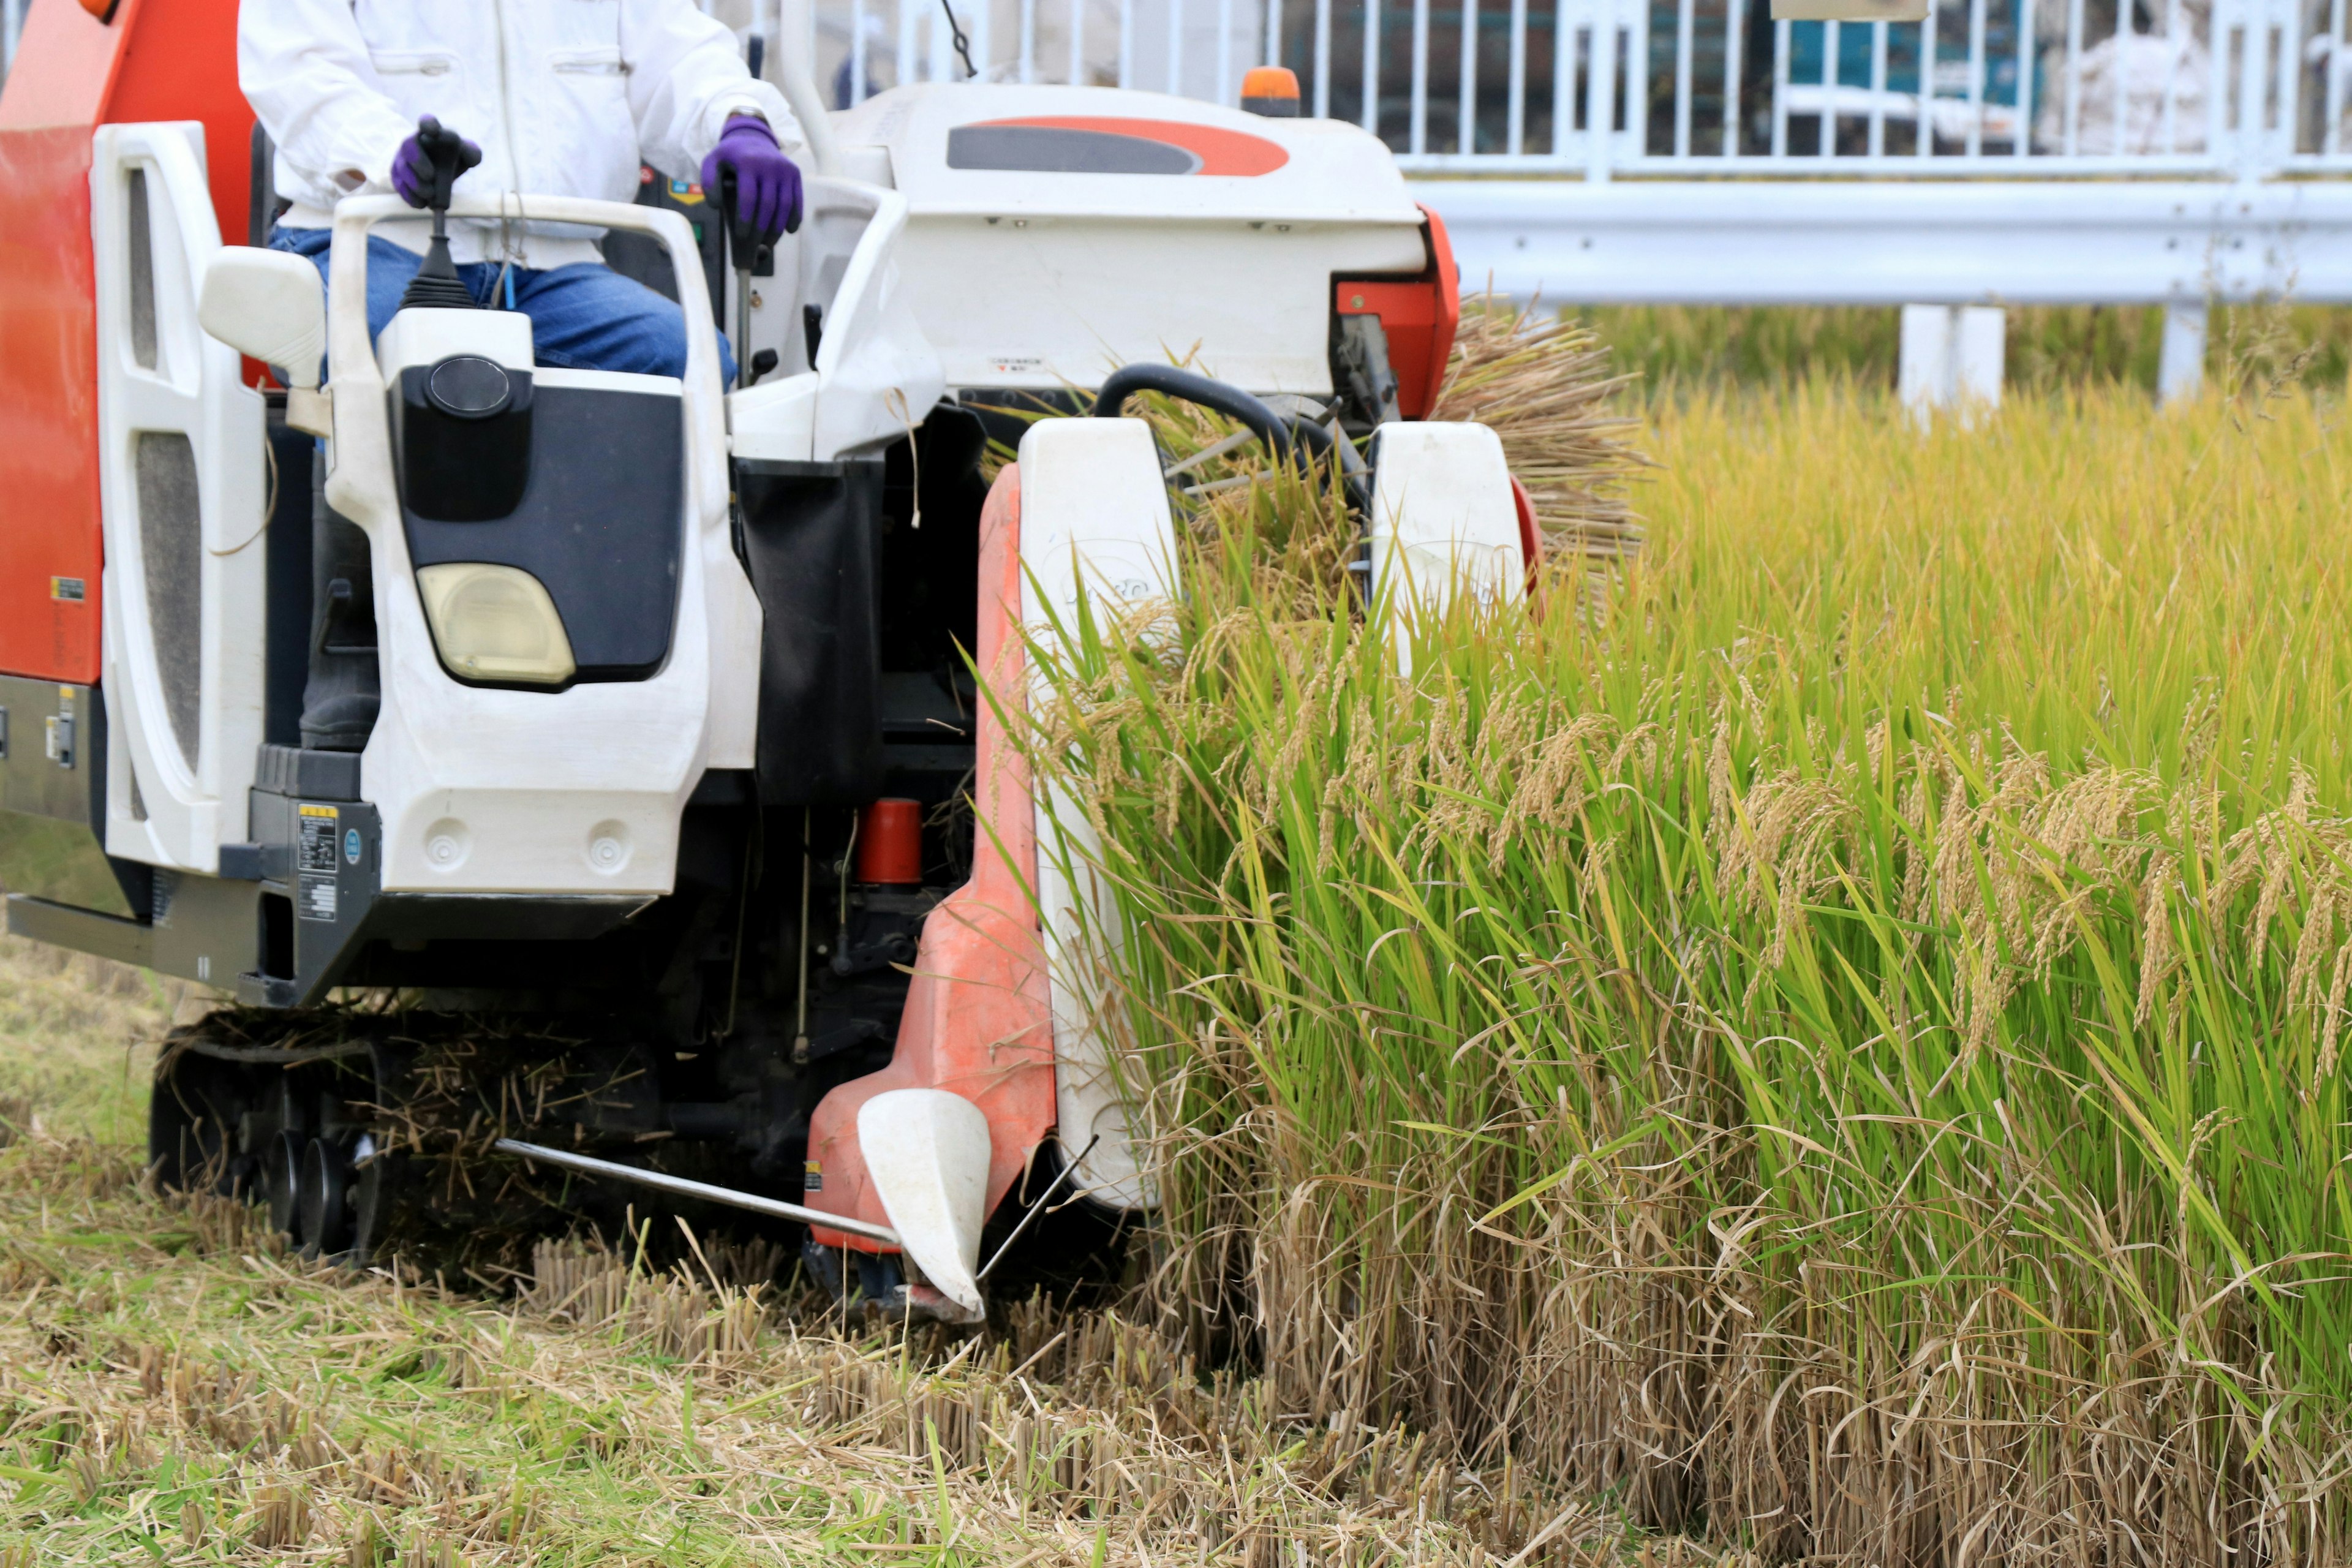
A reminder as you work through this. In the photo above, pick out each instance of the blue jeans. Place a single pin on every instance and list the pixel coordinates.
(582, 317)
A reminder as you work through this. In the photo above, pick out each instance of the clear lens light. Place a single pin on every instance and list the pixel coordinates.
(495, 623)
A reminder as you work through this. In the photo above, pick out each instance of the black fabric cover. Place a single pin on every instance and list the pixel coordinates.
(810, 532)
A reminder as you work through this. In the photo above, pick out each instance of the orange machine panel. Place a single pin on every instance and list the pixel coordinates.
(978, 1018)
(1419, 314)
(156, 59)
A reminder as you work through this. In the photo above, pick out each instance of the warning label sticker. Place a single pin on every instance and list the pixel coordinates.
(315, 855)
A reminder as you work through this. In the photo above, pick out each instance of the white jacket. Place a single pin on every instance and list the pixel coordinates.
(564, 97)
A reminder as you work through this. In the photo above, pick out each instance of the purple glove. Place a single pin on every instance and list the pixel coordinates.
(412, 166)
(767, 183)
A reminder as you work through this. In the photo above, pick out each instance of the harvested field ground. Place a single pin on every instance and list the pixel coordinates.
(174, 1389)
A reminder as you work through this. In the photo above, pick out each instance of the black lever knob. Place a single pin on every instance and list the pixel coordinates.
(451, 155)
(743, 238)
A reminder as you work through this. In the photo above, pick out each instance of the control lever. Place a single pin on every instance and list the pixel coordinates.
(743, 244)
(436, 285)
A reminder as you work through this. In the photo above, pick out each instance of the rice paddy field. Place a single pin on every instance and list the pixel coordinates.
(1823, 1040)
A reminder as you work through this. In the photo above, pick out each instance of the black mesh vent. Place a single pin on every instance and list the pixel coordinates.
(171, 548)
(142, 276)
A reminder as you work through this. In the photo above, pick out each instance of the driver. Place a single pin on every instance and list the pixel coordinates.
(565, 98)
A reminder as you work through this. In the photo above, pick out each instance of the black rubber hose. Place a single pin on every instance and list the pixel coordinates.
(1194, 387)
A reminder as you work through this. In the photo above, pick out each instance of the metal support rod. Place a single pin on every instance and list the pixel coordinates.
(774, 1208)
(1039, 1207)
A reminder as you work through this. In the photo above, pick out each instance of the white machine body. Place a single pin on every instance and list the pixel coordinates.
(1051, 275)
(580, 791)
(1097, 538)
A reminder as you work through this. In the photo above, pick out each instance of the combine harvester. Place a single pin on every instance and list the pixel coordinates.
(626, 727)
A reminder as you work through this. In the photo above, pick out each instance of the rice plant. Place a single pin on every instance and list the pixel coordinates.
(1839, 1047)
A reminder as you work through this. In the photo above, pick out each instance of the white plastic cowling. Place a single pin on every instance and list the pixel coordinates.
(927, 1150)
(1094, 530)
(1443, 524)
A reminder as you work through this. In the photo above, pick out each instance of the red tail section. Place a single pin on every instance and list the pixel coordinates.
(156, 59)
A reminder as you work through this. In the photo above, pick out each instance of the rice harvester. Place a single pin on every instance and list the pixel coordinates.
(636, 733)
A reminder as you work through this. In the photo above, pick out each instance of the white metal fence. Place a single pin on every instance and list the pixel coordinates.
(2247, 89)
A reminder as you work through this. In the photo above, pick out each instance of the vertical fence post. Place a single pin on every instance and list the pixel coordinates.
(2071, 142)
(1322, 60)
(1466, 135)
(1782, 36)
(2254, 17)
(1930, 51)
(1417, 141)
(1977, 9)
(2023, 143)
(1601, 92)
(2288, 64)
(2172, 63)
(1516, 110)
(1736, 27)
(2180, 369)
(1876, 143)
(1686, 23)
(2330, 131)
(1563, 80)
(1373, 66)
(1832, 46)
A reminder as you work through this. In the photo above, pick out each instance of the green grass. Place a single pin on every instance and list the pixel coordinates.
(1841, 1048)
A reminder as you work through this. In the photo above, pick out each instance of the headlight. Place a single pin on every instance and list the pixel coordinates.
(495, 623)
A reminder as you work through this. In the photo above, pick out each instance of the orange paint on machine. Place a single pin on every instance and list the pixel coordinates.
(1419, 313)
(979, 1016)
(94, 64)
